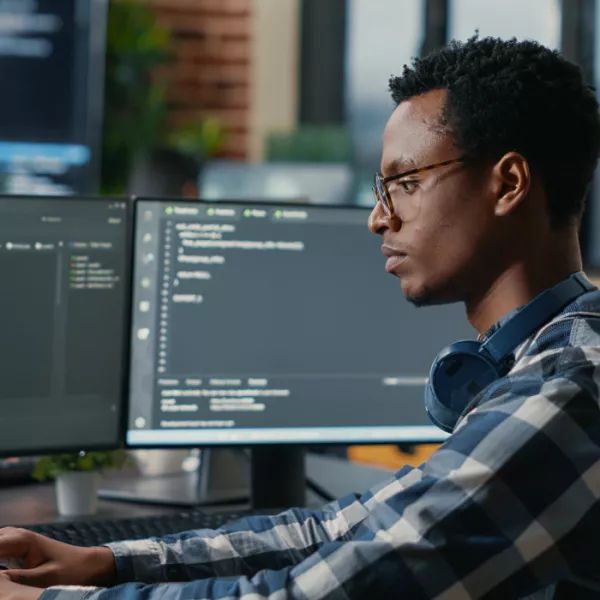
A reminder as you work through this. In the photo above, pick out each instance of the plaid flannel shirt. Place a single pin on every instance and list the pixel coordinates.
(508, 507)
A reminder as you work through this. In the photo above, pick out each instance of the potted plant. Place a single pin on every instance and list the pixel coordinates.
(77, 478)
(200, 139)
(135, 103)
(139, 52)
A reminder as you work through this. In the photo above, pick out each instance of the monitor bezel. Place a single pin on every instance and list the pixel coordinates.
(126, 323)
(97, 25)
(292, 204)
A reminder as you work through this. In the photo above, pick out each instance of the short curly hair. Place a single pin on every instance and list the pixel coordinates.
(509, 95)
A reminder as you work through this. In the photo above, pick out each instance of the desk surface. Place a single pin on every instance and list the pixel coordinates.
(32, 503)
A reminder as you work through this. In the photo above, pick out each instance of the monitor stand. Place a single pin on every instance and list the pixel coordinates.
(278, 476)
(222, 477)
(274, 477)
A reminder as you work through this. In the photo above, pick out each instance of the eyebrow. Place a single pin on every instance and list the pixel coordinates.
(398, 165)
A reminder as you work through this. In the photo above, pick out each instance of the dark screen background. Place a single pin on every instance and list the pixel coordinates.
(326, 323)
(37, 102)
(27, 324)
(61, 357)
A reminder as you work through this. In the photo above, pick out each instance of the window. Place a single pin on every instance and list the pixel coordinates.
(593, 254)
(539, 20)
(381, 39)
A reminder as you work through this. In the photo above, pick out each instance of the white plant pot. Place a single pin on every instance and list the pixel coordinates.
(77, 493)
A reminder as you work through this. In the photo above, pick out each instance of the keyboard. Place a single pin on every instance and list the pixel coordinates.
(96, 532)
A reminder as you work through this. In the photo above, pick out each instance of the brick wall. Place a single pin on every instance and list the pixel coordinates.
(211, 72)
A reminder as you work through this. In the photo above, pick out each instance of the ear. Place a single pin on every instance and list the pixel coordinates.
(512, 178)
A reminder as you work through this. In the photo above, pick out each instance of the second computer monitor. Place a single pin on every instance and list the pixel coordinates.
(65, 281)
(258, 323)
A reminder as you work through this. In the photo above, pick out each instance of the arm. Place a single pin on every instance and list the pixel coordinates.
(240, 548)
(505, 508)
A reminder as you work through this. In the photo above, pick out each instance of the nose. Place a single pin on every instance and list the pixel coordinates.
(379, 222)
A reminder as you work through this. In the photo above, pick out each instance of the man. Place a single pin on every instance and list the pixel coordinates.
(509, 506)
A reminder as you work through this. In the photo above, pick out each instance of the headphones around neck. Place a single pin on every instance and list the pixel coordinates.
(463, 369)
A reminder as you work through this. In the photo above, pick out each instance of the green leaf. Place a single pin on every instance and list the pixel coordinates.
(135, 102)
(49, 467)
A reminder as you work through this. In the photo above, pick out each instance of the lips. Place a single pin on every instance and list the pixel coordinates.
(394, 262)
(395, 258)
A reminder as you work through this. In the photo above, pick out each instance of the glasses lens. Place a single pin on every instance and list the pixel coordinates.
(381, 195)
(405, 198)
(376, 194)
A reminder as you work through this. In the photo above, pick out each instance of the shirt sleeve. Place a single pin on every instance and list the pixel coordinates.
(507, 507)
(239, 548)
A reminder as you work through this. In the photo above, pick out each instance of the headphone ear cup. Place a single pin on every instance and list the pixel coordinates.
(440, 415)
(463, 369)
(457, 375)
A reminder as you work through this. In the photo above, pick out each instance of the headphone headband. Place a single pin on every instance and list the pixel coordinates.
(535, 314)
(462, 370)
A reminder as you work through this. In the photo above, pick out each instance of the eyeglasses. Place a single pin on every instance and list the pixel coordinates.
(381, 189)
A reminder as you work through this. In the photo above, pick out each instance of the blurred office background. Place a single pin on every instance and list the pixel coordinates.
(263, 98)
(236, 98)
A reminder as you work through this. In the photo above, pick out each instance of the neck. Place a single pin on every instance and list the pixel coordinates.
(524, 279)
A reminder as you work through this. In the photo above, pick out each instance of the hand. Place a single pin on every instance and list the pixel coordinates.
(47, 562)
(14, 591)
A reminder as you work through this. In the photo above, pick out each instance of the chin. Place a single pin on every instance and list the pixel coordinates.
(422, 299)
(425, 295)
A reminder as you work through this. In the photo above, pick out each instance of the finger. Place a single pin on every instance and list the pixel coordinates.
(42, 576)
(14, 542)
(11, 531)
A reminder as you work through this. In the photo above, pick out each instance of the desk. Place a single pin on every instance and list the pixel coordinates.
(32, 503)
(340, 477)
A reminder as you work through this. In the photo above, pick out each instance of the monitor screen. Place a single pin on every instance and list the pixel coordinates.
(260, 323)
(64, 271)
(52, 57)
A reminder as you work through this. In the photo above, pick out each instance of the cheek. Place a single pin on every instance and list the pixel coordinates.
(450, 236)
(448, 242)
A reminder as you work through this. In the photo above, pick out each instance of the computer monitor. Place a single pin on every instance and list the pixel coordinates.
(52, 53)
(277, 324)
(274, 324)
(63, 311)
